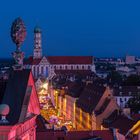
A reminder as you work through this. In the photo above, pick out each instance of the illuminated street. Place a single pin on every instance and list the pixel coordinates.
(48, 110)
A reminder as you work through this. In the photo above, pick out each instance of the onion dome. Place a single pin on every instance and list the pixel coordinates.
(37, 29)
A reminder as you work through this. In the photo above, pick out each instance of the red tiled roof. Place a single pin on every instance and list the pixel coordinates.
(74, 89)
(62, 60)
(36, 61)
(70, 59)
(121, 122)
(87, 101)
(75, 135)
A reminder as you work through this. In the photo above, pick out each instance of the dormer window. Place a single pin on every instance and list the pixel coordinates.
(129, 93)
(120, 93)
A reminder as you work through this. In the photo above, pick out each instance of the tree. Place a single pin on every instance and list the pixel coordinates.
(114, 77)
(132, 80)
(134, 103)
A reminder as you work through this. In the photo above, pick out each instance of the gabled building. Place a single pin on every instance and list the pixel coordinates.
(72, 93)
(94, 104)
(126, 124)
(47, 65)
(19, 106)
(122, 94)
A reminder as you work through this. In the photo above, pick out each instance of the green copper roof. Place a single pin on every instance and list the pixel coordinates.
(37, 29)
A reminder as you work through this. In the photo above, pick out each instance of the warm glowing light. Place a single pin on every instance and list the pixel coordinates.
(136, 128)
(45, 86)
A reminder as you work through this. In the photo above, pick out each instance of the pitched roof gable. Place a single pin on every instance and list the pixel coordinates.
(17, 95)
(121, 122)
(44, 61)
(15, 92)
(90, 97)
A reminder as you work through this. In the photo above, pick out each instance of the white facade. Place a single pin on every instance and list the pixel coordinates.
(45, 69)
(41, 67)
(37, 43)
(130, 59)
(122, 100)
(124, 69)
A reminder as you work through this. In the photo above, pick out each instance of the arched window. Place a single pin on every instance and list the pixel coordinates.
(42, 71)
(37, 70)
(71, 67)
(77, 67)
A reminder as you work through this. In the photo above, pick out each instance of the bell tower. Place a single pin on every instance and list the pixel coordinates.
(37, 43)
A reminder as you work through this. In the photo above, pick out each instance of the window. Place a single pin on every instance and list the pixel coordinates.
(120, 93)
(37, 70)
(71, 67)
(47, 71)
(121, 100)
(42, 70)
(34, 70)
(130, 93)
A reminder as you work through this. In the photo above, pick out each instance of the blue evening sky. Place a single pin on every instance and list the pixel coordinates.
(74, 27)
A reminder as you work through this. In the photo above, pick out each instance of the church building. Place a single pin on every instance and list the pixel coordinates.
(47, 66)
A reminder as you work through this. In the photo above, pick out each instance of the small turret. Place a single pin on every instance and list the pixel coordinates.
(37, 29)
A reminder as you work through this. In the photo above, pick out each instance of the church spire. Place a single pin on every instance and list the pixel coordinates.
(37, 43)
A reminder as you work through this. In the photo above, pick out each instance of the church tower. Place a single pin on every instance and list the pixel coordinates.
(37, 43)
